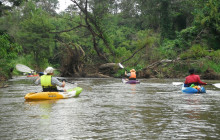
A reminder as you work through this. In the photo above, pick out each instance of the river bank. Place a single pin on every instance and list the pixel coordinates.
(158, 72)
(207, 75)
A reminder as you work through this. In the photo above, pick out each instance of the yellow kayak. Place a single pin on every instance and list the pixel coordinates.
(54, 95)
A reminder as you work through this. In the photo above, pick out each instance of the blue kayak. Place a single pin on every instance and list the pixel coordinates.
(191, 90)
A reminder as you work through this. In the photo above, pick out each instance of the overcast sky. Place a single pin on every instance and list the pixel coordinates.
(64, 4)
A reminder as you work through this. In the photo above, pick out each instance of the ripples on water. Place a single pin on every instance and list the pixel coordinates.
(109, 109)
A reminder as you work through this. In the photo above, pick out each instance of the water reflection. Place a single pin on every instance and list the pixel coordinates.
(133, 88)
(109, 109)
(41, 110)
(193, 106)
(43, 105)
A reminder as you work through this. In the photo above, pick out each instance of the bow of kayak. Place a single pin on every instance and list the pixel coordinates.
(54, 95)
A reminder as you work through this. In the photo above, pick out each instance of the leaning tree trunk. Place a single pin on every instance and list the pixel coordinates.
(72, 60)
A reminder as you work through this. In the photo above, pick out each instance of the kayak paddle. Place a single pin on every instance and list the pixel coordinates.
(180, 83)
(177, 83)
(216, 85)
(23, 68)
(121, 66)
(66, 81)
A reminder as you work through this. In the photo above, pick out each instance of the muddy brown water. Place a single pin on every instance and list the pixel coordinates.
(109, 109)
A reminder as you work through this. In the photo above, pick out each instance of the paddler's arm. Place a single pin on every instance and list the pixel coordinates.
(55, 81)
(63, 83)
(127, 74)
(200, 82)
(37, 82)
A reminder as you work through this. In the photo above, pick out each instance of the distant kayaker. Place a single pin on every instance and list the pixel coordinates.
(48, 82)
(32, 72)
(131, 75)
(193, 79)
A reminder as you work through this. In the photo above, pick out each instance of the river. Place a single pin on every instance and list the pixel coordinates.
(109, 109)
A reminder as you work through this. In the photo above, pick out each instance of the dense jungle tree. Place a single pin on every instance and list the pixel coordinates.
(49, 6)
(207, 20)
(103, 31)
(8, 52)
(34, 33)
(9, 49)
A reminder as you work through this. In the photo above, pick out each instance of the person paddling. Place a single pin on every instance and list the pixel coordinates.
(193, 80)
(48, 82)
(131, 75)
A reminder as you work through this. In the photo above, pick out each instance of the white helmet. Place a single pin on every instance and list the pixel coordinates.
(49, 70)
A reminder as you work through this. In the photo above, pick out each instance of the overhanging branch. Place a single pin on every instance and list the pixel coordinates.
(133, 54)
(68, 29)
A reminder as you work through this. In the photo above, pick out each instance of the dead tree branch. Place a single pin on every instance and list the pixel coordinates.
(133, 54)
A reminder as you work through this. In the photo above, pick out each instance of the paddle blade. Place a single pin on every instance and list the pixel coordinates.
(23, 68)
(120, 65)
(177, 83)
(217, 85)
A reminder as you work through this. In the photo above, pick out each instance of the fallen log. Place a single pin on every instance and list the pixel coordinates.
(151, 66)
(108, 65)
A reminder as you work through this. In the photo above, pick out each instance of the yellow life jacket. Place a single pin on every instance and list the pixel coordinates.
(46, 83)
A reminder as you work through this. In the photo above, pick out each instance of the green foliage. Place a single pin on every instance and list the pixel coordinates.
(188, 34)
(214, 55)
(120, 29)
(171, 48)
(207, 19)
(8, 52)
(34, 34)
(211, 65)
(208, 15)
(195, 52)
(165, 20)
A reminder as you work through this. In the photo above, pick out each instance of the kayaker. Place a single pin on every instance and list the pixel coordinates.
(41, 73)
(32, 72)
(131, 75)
(48, 82)
(193, 80)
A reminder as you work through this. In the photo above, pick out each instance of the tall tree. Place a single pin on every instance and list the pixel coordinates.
(49, 6)
(8, 52)
(149, 14)
(165, 19)
(34, 33)
(207, 19)
(93, 22)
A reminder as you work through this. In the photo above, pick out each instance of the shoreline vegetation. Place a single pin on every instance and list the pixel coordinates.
(106, 72)
(110, 71)
(90, 38)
